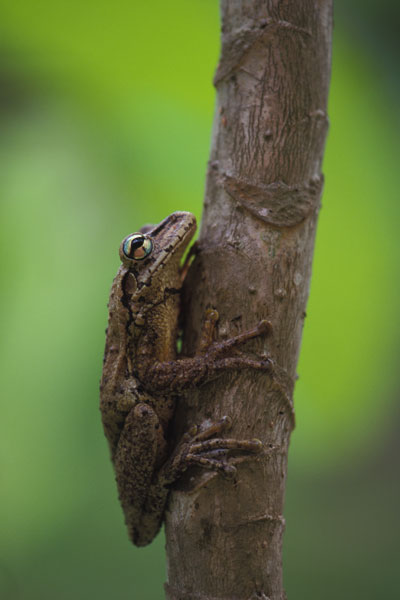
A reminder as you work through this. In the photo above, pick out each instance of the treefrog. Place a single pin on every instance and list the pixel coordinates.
(143, 375)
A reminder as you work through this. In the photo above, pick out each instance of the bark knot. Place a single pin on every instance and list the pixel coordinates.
(276, 203)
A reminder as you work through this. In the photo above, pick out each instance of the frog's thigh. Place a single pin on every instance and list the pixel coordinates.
(135, 458)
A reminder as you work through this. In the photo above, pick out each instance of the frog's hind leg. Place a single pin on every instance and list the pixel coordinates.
(203, 448)
(135, 462)
(197, 447)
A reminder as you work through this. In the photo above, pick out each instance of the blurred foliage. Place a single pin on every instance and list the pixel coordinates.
(106, 113)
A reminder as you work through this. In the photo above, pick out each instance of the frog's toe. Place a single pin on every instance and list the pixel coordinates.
(212, 464)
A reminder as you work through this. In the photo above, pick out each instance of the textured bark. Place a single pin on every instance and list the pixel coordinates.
(224, 538)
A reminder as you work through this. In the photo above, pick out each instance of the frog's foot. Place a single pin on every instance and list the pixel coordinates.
(207, 346)
(202, 449)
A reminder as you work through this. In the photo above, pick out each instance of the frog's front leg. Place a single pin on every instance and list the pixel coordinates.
(211, 359)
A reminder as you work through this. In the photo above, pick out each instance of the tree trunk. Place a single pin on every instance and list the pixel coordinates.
(224, 537)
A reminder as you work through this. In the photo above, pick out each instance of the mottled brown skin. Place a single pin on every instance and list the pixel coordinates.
(142, 377)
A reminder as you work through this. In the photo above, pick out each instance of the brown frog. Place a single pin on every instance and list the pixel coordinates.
(143, 375)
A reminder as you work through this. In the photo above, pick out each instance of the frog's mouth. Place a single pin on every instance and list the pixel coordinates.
(170, 239)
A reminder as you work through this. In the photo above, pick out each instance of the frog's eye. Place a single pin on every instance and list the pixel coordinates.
(137, 246)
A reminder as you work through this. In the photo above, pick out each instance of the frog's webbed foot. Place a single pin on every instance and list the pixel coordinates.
(219, 348)
(225, 354)
(202, 449)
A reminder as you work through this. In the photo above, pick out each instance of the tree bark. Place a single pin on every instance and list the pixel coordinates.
(224, 538)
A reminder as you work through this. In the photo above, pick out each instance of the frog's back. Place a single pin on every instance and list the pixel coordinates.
(118, 390)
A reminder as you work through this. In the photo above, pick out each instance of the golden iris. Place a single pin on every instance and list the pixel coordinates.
(137, 246)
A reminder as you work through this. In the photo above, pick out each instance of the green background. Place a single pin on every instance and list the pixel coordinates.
(105, 116)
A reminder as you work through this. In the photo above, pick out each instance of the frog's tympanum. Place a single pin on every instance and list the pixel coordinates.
(143, 375)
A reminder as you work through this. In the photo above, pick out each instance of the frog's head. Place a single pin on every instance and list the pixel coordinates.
(151, 258)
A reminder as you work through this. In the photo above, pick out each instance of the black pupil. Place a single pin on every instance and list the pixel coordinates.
(135, 244)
